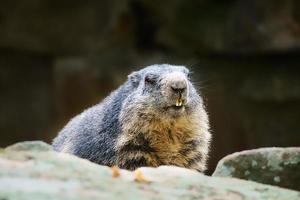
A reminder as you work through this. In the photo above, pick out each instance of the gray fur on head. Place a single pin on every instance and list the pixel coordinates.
(152, 88)
(145, 103)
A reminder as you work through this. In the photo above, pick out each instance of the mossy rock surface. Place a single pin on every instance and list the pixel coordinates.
(29, 173)
(274, 166)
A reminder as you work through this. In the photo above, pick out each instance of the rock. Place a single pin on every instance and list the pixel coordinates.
(29, 146)
(31, 174)
(274, 166)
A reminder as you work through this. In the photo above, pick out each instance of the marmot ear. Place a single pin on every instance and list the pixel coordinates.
(135, 78)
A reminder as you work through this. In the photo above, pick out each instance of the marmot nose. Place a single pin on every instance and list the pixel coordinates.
(178, 86)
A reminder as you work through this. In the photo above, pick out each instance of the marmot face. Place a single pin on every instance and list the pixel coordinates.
(165, 89)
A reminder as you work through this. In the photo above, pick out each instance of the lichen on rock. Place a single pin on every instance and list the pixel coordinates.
(274, 166)
(36, 172)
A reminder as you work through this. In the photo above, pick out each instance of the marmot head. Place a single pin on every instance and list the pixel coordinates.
(163, 90)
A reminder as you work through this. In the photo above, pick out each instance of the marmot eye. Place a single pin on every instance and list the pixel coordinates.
(188, 76)
(150, 78)
(187, 73)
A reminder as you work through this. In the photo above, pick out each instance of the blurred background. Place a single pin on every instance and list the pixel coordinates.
(58, 57)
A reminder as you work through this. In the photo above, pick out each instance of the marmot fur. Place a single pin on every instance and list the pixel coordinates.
(155, 118)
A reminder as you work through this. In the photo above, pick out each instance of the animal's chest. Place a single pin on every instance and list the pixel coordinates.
(169, 145)
(159, 143)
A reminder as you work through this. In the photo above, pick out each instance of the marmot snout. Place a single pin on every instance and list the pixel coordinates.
(155, 118)
(176, 89)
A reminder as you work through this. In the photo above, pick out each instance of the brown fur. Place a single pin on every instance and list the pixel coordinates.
(181, 141)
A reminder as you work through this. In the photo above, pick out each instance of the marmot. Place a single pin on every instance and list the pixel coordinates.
(155, 118)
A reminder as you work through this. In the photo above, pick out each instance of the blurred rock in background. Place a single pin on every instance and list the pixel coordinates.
(60, 57)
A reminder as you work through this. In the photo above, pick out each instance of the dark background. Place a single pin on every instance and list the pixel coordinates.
(58, 57)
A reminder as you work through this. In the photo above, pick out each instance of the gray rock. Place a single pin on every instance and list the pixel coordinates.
(274, 166)
(42, 175)
(29, 146)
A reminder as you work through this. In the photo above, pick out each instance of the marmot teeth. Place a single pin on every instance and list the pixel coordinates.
(179, 102)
